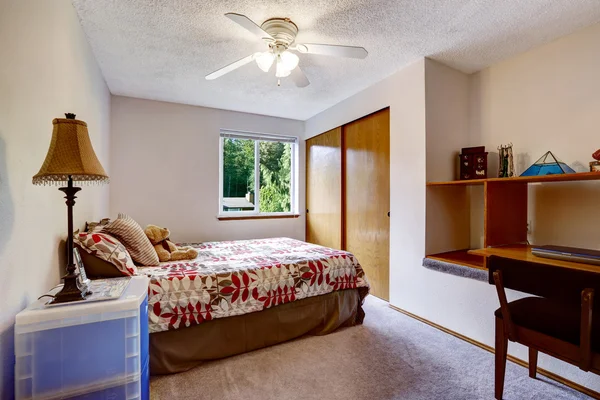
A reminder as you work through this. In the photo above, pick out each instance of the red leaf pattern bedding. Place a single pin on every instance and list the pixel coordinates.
(240, 277)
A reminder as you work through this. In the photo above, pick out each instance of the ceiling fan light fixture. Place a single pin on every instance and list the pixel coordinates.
(281, 71)
(265, 60)
(289, 60)
(280, 35)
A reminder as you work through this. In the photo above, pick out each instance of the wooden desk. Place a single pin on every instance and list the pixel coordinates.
(558, 321)
(523, 253)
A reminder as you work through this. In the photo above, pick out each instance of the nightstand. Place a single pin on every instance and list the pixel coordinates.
(85, 350)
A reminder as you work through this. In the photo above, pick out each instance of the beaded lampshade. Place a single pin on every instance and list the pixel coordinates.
(70, 155)
(70, 158)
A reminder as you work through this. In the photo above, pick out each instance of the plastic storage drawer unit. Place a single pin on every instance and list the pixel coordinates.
(96, 350)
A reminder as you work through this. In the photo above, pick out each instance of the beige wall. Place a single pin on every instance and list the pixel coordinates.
(46, 69)
(547, 99)
(165, 165)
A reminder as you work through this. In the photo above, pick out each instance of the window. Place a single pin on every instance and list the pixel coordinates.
(257, 174)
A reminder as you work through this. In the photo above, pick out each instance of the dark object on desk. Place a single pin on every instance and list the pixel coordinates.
(70, 157)
(564, 253)
(558, 323)
(473, 163)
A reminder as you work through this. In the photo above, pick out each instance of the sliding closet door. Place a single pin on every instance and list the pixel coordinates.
(367, 197)
(324, 189)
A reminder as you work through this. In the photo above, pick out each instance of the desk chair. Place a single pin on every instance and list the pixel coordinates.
(563, 322)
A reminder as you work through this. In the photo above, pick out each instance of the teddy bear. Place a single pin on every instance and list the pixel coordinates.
(166, 250)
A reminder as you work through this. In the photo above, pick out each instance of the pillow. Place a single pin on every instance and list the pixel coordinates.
(96, 226)
(108, 249)
(131, 234)
(95, 267)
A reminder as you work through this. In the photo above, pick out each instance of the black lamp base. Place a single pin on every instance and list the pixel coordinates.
(70, 291)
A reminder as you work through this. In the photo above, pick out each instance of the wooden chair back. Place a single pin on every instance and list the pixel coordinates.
(568, 286)
(552, 282)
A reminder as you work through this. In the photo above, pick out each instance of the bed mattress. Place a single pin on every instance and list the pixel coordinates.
(241, 277)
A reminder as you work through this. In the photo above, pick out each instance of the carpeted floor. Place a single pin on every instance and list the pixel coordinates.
(391, 356)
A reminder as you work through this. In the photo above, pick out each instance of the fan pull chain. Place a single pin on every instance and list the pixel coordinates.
(278, 82)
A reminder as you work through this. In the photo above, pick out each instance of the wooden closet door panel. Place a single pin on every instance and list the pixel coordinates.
(367, 197)
(324, 189)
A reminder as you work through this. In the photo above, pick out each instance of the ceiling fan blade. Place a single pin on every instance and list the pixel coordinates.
(299, 77)
(228, 68)
(332, 50)
(248, 24)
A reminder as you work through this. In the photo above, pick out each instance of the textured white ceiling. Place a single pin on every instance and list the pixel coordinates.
(161, 50)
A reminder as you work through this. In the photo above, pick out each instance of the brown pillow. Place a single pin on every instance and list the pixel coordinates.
(131, 234)
(96, 267)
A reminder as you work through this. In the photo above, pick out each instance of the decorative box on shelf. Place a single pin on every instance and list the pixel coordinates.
(473, 163)
(84, 349)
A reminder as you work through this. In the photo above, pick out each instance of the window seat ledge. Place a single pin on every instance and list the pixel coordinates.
(455, 269)
(242, 217)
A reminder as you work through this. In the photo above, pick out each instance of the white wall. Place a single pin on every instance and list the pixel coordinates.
(412, 287)
(462, 305)
(546, 99)
(447, 115)
(165, 166)
(46, 69)
(442, 110)
(404, 93)
(447, 103)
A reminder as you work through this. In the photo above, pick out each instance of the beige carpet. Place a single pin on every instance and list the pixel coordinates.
(391, 356)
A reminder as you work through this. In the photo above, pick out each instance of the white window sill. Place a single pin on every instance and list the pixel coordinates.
(238, 216)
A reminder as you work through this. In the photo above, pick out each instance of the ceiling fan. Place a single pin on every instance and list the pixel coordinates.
(280, 35)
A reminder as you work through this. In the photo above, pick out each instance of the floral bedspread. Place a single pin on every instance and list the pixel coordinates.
(240, 277)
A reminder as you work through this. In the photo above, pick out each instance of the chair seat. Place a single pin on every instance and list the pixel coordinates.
(552, 319)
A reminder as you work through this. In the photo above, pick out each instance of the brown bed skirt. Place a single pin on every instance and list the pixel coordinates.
(182, 349)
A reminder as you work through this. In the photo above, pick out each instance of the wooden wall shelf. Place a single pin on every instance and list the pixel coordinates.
(460, 257)
(581, 176)
(448, 226)
(470, 182)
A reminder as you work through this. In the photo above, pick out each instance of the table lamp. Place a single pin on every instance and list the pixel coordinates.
(70, 157)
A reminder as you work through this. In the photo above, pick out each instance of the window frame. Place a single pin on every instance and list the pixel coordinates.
(259, 137)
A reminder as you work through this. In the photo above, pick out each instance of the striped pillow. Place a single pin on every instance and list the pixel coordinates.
(131, 234)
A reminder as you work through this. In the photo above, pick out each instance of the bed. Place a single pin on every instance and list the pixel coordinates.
(239, 296)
